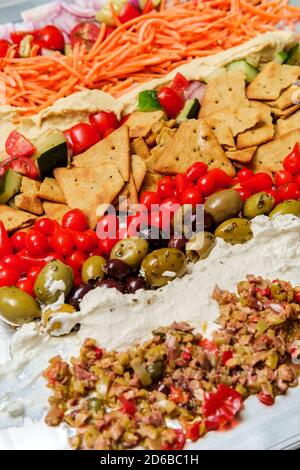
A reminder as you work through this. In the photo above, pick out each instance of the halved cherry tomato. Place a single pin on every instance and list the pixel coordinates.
(18, 146)
(288, 191)
(179, 84)
(150, 198)
(26, 166)
(195, 171)
(128, 406)
(128, 13)
(291, 162)
(51, 37)
(266, 399)
(83, 136)
(8, 277)
(18, 36)
(259, 182)
(75, 220)
(165, 187)
(4, 46)
(244, 174)
(220, 407)
(282, 177)
(104, 121)
(85, 33)
(191, 195)
(26, 285)
(171, 101)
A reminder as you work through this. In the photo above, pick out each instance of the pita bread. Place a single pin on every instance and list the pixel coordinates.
(51, 191)
(14, 219)
(226, 89)
(193, 142)
(140, 148)
(113, 149)
(242, 156)
(150, 182)
(55, 211)
(271, 155)
(283, 126)
(88, 189)
(140, 123)
(261, 133)
(272, 80)
(138, 170)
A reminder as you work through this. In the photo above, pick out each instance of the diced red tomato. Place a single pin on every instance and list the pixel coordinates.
(128, 13)
(291, 162)
(179, 84)
(209, 346)
(83, 136)
(179, 442)
(85, 33)
(98, 352)
(4, 46)
(171, 101)
(220, 407)
(187, 354)
(193, 431)
(104, 121)
(51, 37)
(128, 406)
(266, 399)
(226, 355)
(18, 146)
(26, 166)
(178, 395)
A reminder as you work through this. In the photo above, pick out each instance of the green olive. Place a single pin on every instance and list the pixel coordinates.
(235, 230)
(287, 207)
(189, 219)
(163, 265)
(223, 205)
(17, 307)
(54, 279)
(199, 246)
(130, 250)
(92, 268)
(49, 314)
(156, 370)
(258, 204)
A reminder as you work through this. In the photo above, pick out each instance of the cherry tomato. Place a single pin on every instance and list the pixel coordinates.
(36, 243)
(195, 171)
(180, 182)
(33, 273)
(26, 285)
(259, 182)
(282, 177)
(85, 33)
(108, 226)
(104, 121)
(15, 262)
(8, 277)
(85, 242)
(83, 136)
(45, 226)
(165, 187)
(52, 38)
(4, 46)
(150, 198)
(206, 184)
(107, 245)
(297, 180)
(220, 407)
(25, 166)
(170, 101)
(62, 242)
(244, 193)
(288, 191)
(18, 36)
(18, 146)
(75, 220)
(68, 137)
(221, 179)
(291, 162)
(128, 13)
(18, 240)
(179, 84)
(191, 195)
(244, 174)
(76, 260)
(266, 398)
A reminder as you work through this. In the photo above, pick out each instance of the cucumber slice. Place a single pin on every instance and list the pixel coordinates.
(250, 72)
(294, 55)
(68, 50)
(51, 152)
(10, 184)
(189, 111)
(281, 57)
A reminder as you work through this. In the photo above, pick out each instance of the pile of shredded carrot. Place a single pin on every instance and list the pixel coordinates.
(146, 47)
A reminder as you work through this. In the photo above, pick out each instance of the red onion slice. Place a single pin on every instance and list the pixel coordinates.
(195, 90)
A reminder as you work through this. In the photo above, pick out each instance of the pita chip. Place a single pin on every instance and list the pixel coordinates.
(55, 211)
(51, 191)
(113, 149)
(286, 99)
(14, 219)
(272, 80)
(284, 113)
(89, 189)
(127, 196)
(242, 156)
(193, 142)
(261, 132)
(139, 147)
(222, 132)
(239, 119)
(150, 182)
(138, 170)
(283, 126)
(140, 123)
(28, 200)
(271, 155)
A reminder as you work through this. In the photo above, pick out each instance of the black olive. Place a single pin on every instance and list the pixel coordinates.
(133, 284)
(77, 294)
(110, 283)
(178, 243)
(116, 269)
(155, 237)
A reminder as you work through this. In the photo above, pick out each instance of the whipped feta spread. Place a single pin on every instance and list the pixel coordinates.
(116, 320)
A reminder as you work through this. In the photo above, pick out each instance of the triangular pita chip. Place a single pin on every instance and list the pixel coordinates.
(55, 211)
(139, 147)
(193, 142)
(165, 137)
(89, 188)
(222, 132)
(113, 149)
(283, 126)
(284, 113)
(140, 123)
(138, 170)
(272, 80)
(14, 219)
(242, 156)
(261, 133)
(150, 182)
(51, 191)
(127, 196)
(238, 120)
(29, 203)
(227, 89)
(286, 99)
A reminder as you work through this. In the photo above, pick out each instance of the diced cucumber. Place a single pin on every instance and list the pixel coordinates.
(294, 55)
(51, 152)
(10, 184)
(189, 111)
(281, 57)
(68, 50)
(250, 72)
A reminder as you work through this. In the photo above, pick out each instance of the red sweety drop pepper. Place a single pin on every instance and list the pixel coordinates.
(5, 243)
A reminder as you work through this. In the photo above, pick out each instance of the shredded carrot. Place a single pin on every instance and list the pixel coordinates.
(145, 47)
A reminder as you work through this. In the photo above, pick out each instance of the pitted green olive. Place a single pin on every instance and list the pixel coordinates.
(258, 204)
(235, 231)
(54, 279)
(287, 207)
(163, 265)
(92, 268)
(49, 314)
(130, 250)
(200, 246)
(223, 205)
(17, 307)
